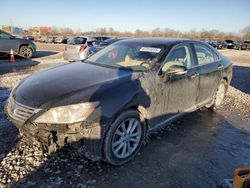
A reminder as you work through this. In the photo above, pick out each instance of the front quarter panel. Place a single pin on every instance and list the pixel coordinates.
(115, 101)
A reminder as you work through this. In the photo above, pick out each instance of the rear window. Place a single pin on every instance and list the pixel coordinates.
(77, 40)
(204, 54)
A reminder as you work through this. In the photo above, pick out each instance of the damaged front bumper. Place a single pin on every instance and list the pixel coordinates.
(88, 134)
(53, 137)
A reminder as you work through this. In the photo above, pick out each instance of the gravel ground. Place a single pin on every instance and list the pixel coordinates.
(200, 150)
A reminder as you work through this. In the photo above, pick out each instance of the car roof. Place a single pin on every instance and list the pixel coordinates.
(156, 41)
(114, 39)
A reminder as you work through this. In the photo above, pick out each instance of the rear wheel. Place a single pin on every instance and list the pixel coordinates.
(26, 52)
(219, 95)
(124, 138)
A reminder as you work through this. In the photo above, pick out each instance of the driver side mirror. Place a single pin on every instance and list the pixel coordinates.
(175, 70)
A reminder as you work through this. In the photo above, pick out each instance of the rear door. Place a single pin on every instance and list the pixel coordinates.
(209, 71)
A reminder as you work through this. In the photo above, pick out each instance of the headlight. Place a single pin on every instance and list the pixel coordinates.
(67, 114)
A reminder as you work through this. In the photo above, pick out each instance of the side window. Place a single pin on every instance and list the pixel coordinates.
(80, 40)
(179, 56)
(204, 54)
(4, 35)
(104, 38)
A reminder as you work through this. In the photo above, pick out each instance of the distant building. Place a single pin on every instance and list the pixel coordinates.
(17, 30)
(41, 30)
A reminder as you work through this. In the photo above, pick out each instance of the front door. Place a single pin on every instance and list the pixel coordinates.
(178, 93)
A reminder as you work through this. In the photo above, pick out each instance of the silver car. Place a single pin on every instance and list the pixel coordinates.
(77, 49)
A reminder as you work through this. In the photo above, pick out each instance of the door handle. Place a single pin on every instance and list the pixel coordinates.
(220, 66)
(194, 75)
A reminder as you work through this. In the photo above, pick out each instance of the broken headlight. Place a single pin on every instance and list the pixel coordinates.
(67, 114)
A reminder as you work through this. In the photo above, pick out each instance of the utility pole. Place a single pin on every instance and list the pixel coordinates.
(11, 25)
(92, 30)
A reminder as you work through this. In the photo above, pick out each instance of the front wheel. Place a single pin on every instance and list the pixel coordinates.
(219, 95)
(26, 52)
(124, 138)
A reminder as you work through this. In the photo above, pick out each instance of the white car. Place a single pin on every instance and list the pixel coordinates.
(77, 48)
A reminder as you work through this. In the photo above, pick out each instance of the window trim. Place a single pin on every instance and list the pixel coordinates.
(192, 55)
(215, 53)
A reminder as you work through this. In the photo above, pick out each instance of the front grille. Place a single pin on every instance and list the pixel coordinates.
(19, 112)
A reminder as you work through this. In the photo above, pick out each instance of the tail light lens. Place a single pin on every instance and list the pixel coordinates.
(83, 47)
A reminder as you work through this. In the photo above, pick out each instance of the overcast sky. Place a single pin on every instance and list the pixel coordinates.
(128, 15)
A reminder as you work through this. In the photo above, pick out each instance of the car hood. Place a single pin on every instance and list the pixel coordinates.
(71, 83)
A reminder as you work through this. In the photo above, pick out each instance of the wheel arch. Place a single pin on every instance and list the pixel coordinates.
(140, 108)
(226, 79)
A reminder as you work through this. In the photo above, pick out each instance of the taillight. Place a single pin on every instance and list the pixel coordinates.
(83, 47)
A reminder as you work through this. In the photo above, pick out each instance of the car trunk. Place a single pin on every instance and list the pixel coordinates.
(74, 45)
(74, 49)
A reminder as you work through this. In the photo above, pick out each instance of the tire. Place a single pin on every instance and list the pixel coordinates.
(119, 138)
(26, 52)
(218, 96)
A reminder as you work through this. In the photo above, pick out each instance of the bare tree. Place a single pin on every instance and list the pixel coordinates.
(246, 33)
(213, 34)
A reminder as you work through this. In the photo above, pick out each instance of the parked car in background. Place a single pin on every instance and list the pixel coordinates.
(242, 45)
(221, 44)
(23, 47)
(111, 101)
(109, 41)
(212, 43)
(97, 39)
(61, 40)
(29, 37)
(229, 44)
(95, 48)
(78, 48)
(37, 38)
(51, 39)
(43, 39)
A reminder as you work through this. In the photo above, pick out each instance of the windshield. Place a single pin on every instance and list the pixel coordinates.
(77, 40)
(128, 56)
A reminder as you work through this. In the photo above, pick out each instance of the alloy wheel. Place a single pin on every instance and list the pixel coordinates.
(126, 138)
(25, 52)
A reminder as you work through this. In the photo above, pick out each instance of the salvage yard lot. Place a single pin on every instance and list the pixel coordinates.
(200, 150)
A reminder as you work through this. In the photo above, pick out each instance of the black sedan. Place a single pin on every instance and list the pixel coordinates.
(242, 45)
(108, 104)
